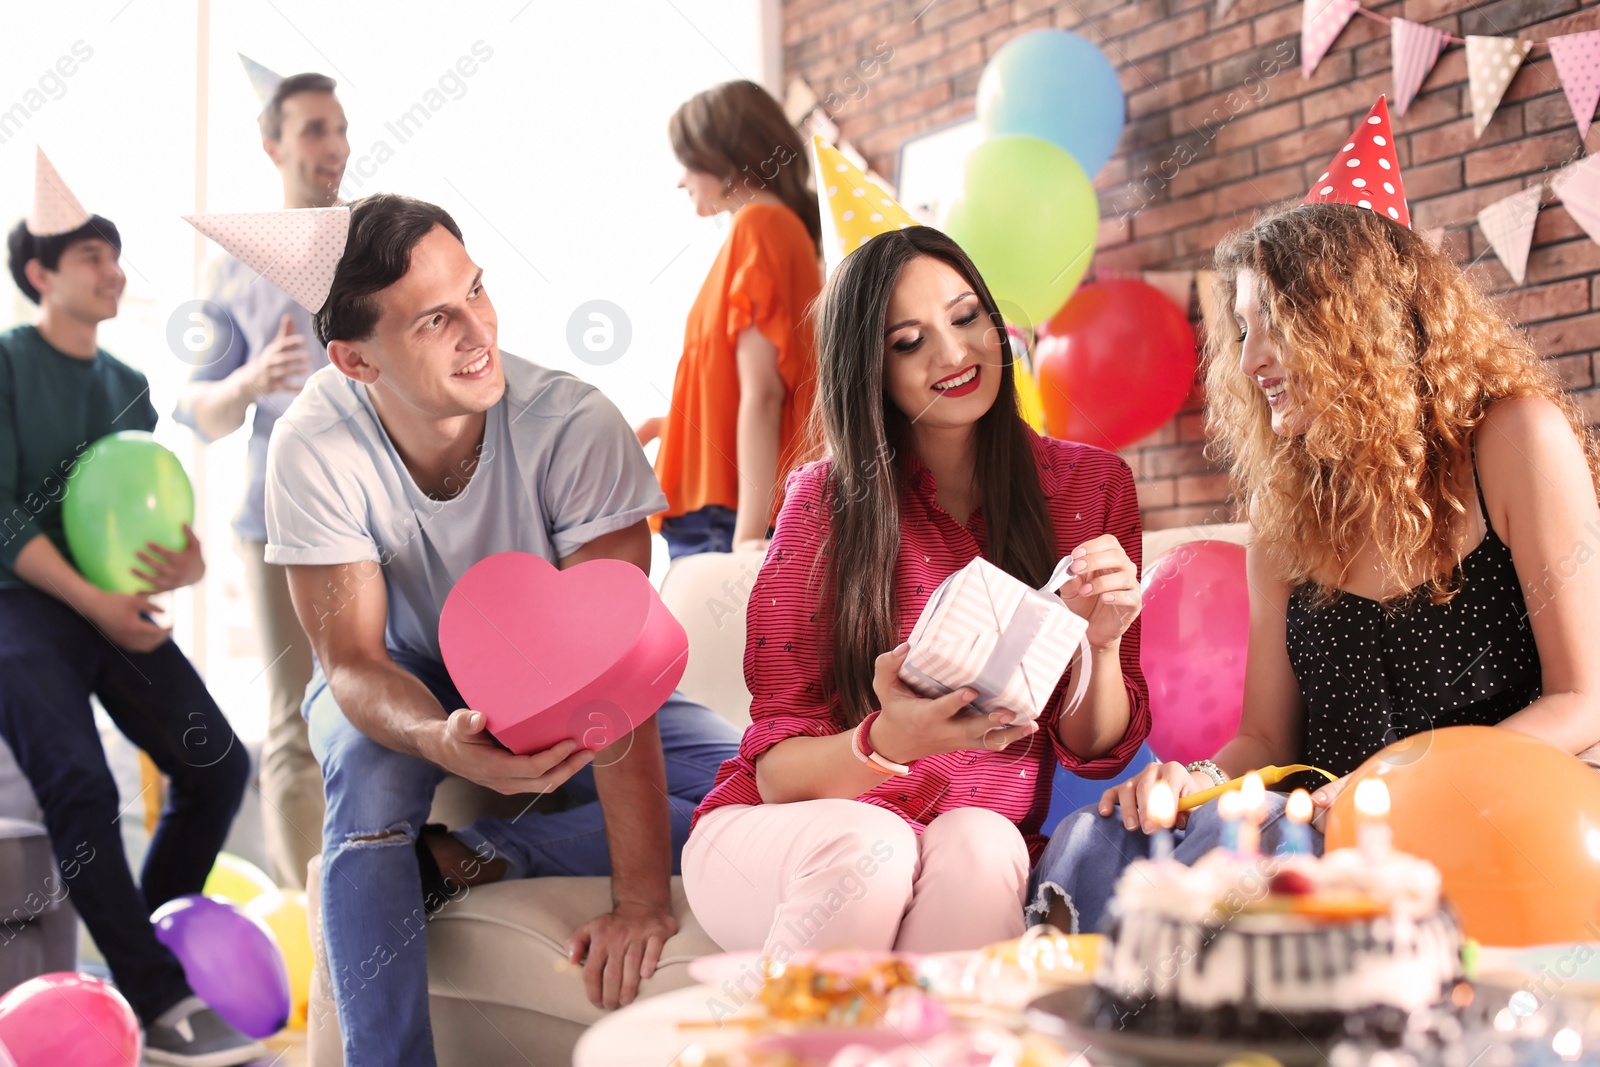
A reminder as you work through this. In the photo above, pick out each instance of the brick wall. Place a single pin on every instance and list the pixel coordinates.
(1221, 123)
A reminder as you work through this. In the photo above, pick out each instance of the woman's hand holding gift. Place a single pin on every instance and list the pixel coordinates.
(1103, 590)
(1133, 794)
(910, 726)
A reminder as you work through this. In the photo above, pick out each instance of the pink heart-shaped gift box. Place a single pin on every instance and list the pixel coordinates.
(586, 653)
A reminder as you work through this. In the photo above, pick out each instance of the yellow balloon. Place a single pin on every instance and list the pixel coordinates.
(237, 880)
(284, 913)
(1029, 402)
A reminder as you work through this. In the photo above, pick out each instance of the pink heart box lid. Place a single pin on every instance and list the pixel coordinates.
(586, 653)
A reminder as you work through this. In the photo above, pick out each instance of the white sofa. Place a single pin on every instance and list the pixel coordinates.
(501, 990)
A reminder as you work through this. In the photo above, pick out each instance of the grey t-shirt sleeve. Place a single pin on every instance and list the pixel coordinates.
(311, 518)
(598, 480)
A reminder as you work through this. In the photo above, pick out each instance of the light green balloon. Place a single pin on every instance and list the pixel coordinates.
(1028, 217)
(123, 493)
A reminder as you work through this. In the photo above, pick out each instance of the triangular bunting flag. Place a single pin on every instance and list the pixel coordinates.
(1320, 23)
(1365, 173)
(1223, 7)
(1508, 224)
(264, 81)
(1578, 186)
(1435, 237)
(1577, 57)
(1491, 64)
(854, 208)
(1415, 48)
(298, 251)
(55, 209)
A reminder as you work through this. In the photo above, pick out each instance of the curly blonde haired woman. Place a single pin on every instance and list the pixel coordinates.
(1422, 498)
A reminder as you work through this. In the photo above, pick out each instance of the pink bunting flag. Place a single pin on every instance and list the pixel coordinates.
(1416, 48)
(1508, 224)
(1577, 57)
(1320, 23)
(1578, 186)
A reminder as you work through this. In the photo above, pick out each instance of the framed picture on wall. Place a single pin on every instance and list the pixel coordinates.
(931, 168)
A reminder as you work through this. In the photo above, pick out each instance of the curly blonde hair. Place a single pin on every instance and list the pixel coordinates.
(1398, 356)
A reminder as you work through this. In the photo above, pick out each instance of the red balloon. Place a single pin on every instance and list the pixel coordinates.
(1194, 631)
(65, 1018)
(1114, 364)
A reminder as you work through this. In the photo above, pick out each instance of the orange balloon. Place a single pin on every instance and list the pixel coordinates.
(1512, 823)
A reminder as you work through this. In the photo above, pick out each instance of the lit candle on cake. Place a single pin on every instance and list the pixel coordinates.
(1297, 825)
(1230, 808)
(1373, 835)
(1253, 805)
(1162, 807)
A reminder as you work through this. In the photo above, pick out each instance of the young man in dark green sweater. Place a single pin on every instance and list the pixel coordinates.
(63, 640)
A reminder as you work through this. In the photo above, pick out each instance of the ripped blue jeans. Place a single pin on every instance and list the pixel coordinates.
(1088, 852)
(373, 918)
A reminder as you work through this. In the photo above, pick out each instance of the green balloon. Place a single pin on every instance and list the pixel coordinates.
(1028, 217)
(123, 493)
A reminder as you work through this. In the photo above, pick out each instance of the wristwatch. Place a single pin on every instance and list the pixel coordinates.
(1209, 769)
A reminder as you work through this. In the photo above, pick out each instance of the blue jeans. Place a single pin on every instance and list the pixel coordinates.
(51, 660)
(1088, 853)
(710, 529)
(373, 919)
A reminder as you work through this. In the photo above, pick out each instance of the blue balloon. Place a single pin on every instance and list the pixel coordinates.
(1056, 86)
(1069, 792)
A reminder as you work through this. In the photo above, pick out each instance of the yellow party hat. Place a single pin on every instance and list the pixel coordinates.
(855, 209)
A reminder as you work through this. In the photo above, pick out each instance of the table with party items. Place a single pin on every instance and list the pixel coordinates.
(1037, 824)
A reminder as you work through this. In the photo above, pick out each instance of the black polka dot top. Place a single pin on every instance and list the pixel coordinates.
(1372, 673)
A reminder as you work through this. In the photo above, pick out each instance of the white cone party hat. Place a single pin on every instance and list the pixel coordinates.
(263, 80)
(55, 209)
(298, 251)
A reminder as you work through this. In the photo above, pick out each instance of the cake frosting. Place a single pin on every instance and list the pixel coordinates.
(1269, 945)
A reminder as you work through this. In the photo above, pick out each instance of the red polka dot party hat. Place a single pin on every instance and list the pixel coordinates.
(1366, 172)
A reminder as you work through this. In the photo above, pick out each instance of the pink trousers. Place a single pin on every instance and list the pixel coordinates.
(821, 874)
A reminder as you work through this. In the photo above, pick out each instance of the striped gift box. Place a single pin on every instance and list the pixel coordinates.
(987, 631)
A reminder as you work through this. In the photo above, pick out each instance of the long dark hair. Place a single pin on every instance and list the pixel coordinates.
(739, 133)
(869, 438)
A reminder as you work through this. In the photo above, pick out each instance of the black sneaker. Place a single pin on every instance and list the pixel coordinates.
(189, 1034)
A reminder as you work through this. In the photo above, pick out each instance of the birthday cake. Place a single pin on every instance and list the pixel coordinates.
(1273, 947)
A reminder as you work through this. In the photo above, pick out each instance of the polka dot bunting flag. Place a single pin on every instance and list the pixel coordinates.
(855, 209)
(1320, 23)
(1577, 57)
(297, 251)
(1491, 64)
(1365, 173)
(55, 209)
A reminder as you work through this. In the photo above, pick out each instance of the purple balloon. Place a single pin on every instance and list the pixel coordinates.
(232, 962)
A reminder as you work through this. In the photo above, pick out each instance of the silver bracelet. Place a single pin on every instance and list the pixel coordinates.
(1209, 769)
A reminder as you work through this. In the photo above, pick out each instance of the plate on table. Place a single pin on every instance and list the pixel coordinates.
(1064, 1015)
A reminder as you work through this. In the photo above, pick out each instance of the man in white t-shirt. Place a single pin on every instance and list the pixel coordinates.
(420, 451)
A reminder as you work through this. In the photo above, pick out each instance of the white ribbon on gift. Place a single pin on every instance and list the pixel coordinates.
(1005, 659)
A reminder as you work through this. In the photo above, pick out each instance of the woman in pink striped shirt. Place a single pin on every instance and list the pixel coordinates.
(857, 812)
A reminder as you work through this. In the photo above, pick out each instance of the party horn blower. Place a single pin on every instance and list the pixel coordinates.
(1269, 776)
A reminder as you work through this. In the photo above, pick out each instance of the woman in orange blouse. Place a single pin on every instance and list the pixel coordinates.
(741, 404)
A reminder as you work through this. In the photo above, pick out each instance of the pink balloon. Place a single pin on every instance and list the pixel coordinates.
(1195, 629)
(66, 1018)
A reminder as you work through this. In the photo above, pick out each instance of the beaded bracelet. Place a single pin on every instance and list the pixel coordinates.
(1209, 769)
(862, 747)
